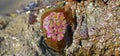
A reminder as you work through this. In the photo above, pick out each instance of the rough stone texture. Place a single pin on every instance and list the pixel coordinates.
(103, 29)
(18, 38)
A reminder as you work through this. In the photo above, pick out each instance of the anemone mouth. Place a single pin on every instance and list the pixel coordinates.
(55, 25)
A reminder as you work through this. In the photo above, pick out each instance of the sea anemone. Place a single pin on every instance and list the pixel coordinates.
(55, 25)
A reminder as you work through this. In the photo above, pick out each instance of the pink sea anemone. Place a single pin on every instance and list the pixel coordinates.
(55, 25)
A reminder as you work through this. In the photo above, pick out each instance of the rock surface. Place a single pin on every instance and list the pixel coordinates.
(103, 29)
(18, 38)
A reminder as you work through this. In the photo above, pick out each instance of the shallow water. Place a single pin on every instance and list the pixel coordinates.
(7, 6)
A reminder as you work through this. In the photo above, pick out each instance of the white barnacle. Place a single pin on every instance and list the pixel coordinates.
(43, 9)
(38, 19)
(40, 11)
(28, 12)
(48, 6)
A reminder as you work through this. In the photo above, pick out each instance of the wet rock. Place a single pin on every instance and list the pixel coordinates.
(103, 28)
(32, 18)
(3, 23)
(19, 38)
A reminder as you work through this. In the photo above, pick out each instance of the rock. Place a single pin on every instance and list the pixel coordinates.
(19, 38)
(103, 29)
(3, 23)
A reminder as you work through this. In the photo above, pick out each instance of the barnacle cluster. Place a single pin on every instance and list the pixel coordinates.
(55, 25)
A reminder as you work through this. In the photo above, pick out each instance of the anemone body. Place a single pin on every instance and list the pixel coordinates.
(55, 26)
